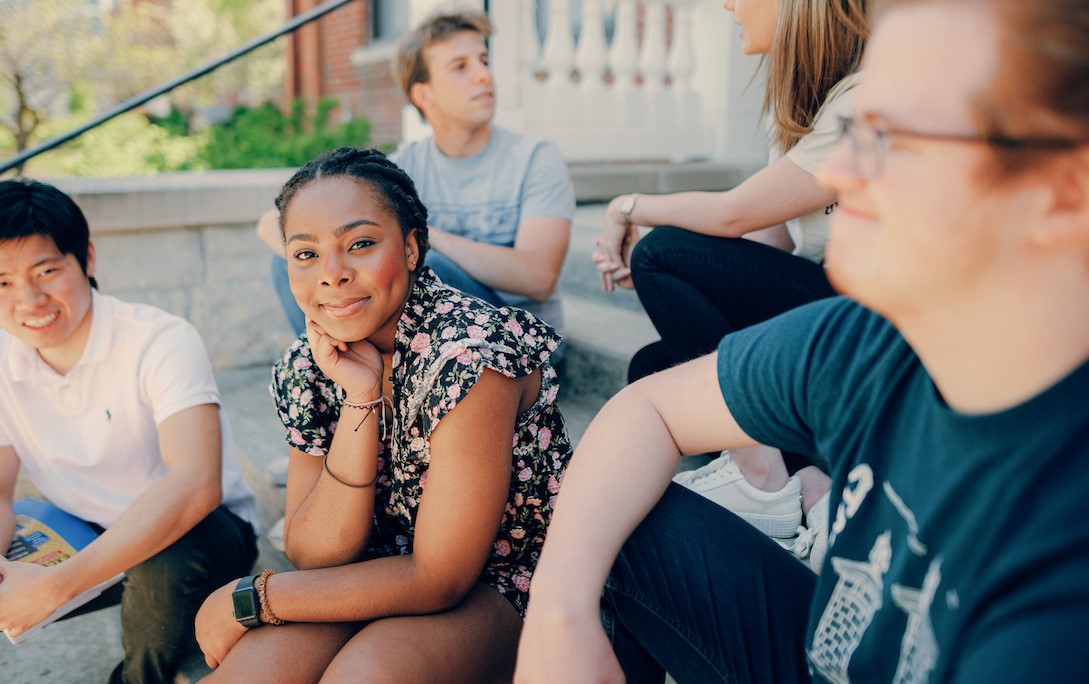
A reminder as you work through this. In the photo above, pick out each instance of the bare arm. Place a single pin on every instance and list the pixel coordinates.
(641, 434)
(190, 442)
(530, 268)
(780, 191)
(268, 229)
(325, 522)
(9, 471)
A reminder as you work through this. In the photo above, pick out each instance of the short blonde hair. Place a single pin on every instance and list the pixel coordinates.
(410, 66)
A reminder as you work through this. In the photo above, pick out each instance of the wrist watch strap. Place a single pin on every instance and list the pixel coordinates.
(628, 206)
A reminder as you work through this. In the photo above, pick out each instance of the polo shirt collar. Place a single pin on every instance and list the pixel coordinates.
(23, 361)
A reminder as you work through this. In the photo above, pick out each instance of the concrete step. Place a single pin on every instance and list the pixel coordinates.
(605, 180)
(602, 340)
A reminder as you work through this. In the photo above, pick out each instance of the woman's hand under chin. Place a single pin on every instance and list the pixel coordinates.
(355, 366)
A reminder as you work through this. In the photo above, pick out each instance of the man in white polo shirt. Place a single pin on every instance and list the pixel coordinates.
(113, 411)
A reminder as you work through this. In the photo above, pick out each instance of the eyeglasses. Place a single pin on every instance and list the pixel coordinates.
(870, 144)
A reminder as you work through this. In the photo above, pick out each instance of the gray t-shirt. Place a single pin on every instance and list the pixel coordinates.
(486, 196)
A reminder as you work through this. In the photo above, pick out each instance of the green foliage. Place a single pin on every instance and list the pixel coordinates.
(126, 146)
(263, 136)
(131, 145)
(175, 123)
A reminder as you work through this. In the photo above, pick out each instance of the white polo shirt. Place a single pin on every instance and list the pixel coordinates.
(89, 439)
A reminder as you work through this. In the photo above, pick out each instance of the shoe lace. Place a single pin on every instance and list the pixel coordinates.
(716, 473)
(801, 544)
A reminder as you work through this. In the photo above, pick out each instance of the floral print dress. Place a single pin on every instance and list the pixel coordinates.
(445, 339)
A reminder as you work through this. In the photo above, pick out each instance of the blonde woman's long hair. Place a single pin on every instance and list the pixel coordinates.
(816, 44)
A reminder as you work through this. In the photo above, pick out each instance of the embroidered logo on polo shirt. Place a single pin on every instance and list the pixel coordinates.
(109, 417)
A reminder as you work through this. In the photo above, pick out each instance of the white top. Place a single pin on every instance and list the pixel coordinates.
(810, 232)
(89, 439)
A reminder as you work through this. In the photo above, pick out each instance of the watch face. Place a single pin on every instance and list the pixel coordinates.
(245, 604)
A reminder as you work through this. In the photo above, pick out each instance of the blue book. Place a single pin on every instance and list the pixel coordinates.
(46, 535)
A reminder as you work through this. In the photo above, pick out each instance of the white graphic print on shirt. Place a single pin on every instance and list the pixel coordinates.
(859, 594)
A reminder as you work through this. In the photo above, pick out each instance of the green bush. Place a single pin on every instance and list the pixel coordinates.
(263, 136)
(126, 146)
(133, 145)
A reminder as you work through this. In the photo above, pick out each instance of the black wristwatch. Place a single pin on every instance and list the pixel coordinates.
(247, 606)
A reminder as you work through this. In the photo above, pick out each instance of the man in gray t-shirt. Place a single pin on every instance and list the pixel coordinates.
(500, 203)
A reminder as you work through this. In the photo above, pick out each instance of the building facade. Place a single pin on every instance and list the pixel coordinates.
(607, 80)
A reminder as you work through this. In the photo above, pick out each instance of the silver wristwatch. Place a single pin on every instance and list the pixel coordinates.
(627, 206)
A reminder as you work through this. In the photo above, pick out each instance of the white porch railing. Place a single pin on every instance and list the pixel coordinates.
(623, 79)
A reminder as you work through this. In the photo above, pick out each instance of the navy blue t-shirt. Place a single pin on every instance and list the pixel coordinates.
(959, 543)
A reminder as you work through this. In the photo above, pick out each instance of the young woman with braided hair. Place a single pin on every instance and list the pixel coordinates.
(414, 524)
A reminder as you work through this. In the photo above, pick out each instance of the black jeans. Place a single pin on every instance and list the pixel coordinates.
(697, 289)
(160, 597)
(700, 593)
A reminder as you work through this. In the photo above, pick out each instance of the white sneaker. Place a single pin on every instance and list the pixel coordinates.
(776, 514)
(275, 535)
(277, 471)
(811, 543)
(817, 519)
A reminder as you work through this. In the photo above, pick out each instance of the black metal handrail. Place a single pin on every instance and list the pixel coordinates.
(148, 95)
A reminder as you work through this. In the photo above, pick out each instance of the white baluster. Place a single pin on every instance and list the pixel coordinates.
(559, 46)
(592, 60)
(624, 61)
(592, 57)
(534, 88)
(624, 53)
(558, 59)
(654, 53)
(529, 57)
(653, 64)
(682, 66)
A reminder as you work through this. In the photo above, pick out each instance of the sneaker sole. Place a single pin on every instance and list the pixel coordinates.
(778, 526)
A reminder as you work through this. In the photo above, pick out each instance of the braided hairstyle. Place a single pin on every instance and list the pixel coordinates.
(28, 207)
(370, 168)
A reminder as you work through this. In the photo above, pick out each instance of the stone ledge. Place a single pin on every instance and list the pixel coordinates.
(175, 200)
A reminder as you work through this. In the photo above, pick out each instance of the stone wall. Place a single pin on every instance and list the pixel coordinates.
(185, 243)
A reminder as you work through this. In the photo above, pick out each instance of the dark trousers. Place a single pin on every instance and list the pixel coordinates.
(160, 597)
(697, 289)
(700, 593)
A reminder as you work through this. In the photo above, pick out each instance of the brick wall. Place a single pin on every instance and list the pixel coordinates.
(320, 65)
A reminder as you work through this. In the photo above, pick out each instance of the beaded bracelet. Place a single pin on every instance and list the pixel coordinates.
(367, 405)
(266, 613)
(370, 407)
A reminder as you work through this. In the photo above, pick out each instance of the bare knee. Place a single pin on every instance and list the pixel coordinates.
(475, 642)
(293, 653)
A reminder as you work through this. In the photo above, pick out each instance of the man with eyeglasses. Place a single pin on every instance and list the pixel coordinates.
(948, 394)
